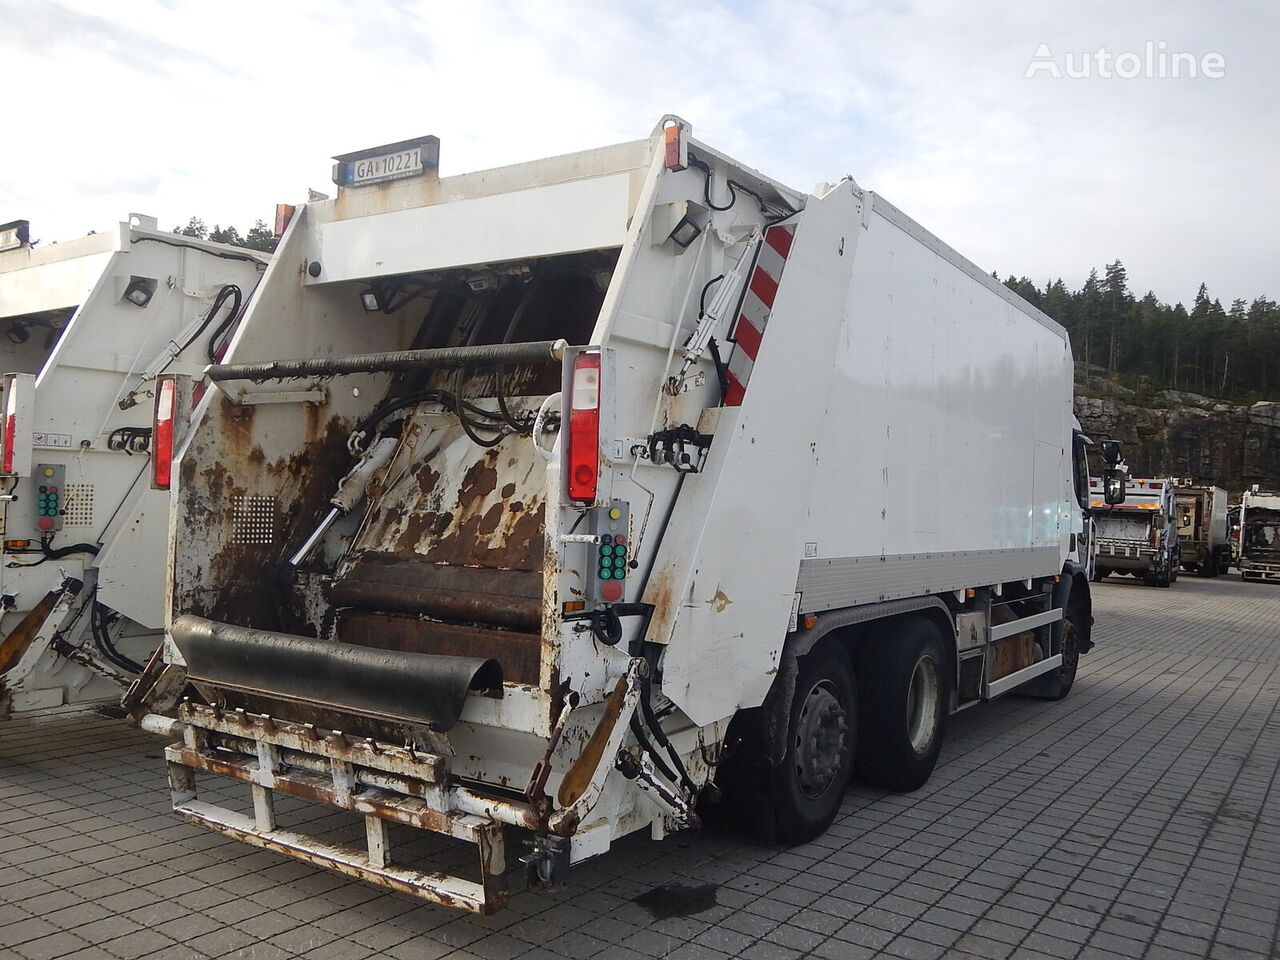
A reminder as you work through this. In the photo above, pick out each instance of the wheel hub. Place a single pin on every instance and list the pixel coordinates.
(822, 735)
(924, 705)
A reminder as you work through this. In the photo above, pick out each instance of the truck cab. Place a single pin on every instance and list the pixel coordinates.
(1260, 535)
(1138, 537)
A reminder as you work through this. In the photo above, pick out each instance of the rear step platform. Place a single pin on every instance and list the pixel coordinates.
(383, 783)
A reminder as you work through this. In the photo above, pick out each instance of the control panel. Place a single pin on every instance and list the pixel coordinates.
(50, 496)
(611, 556)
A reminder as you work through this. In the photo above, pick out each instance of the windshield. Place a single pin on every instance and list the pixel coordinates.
(1262, 534)
(1082, 471)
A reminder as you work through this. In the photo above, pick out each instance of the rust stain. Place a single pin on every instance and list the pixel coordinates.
(720, 602)
(660, 593)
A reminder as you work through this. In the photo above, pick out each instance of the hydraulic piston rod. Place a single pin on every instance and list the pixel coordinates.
(540, 351)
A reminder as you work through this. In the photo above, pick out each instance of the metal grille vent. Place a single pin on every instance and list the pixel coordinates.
(253, 519)
(78, 509)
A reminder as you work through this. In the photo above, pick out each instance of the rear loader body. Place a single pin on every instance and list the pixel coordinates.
(90, 324)
(1138, 537)
(1204, 542)
(563, 497)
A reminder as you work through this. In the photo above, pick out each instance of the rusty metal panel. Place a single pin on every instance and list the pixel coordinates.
(461, 504)
(517, 652)
(377, 755)
(510, 598)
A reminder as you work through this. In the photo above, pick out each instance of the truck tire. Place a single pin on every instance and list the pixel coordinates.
(1209, 568)
(1058, 684)
(903, 695)
(810, 783)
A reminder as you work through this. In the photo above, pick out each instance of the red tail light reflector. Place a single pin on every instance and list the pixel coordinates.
(10, 426)
(16, 446)
(584, 428)
(162, 433)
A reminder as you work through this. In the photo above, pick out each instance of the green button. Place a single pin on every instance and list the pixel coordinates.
(606, 574)
(606, 551)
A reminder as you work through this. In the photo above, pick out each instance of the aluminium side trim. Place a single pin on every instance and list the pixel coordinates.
(851, 581)
(1000, 631)
(1019, 677)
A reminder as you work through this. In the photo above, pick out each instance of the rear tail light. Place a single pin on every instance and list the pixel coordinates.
(19, 417)
(162, 433)
(675, 146)
(10, 425)
(584, 428)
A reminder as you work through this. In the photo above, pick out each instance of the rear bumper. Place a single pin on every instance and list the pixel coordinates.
(380, 782)
(1268, 572)
(1126, 556)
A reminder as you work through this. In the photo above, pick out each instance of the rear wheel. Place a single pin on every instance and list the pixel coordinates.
(810, 782)
(903, 694)
(1059, 683)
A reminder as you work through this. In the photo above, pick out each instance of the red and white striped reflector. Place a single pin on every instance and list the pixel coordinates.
(757, 304)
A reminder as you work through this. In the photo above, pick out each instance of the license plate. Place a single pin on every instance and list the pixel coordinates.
(389, 166)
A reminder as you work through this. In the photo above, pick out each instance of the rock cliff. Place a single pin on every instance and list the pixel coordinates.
(1172, 433)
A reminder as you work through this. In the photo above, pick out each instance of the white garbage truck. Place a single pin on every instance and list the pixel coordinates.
(1260, 535)
(1139, 535)
(88, 326)
(579, 496)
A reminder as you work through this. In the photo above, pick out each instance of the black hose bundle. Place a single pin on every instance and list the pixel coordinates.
(100, 625)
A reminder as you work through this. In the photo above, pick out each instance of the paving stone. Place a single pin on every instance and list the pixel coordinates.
(1136, 818)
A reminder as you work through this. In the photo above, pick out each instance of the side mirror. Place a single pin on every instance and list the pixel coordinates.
(1113, 485)
(1112, 453)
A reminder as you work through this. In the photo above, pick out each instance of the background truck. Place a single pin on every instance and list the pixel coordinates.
(570, 496)
(88, 325)
(1260, 535)
(1204, 536)
(1138, 536)
(1233, 532)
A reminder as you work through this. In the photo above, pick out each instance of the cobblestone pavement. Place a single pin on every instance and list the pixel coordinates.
(1138, 818)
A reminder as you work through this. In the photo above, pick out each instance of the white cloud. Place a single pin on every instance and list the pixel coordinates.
(220, 110)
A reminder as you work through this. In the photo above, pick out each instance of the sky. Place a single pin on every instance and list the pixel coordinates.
(221, 110)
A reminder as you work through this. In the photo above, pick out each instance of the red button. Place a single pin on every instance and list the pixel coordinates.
(53, 489)
(46, 523)
(620, 540)
(611, 591)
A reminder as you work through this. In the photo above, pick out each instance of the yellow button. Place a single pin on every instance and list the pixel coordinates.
(615, 513)
(48, 471)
